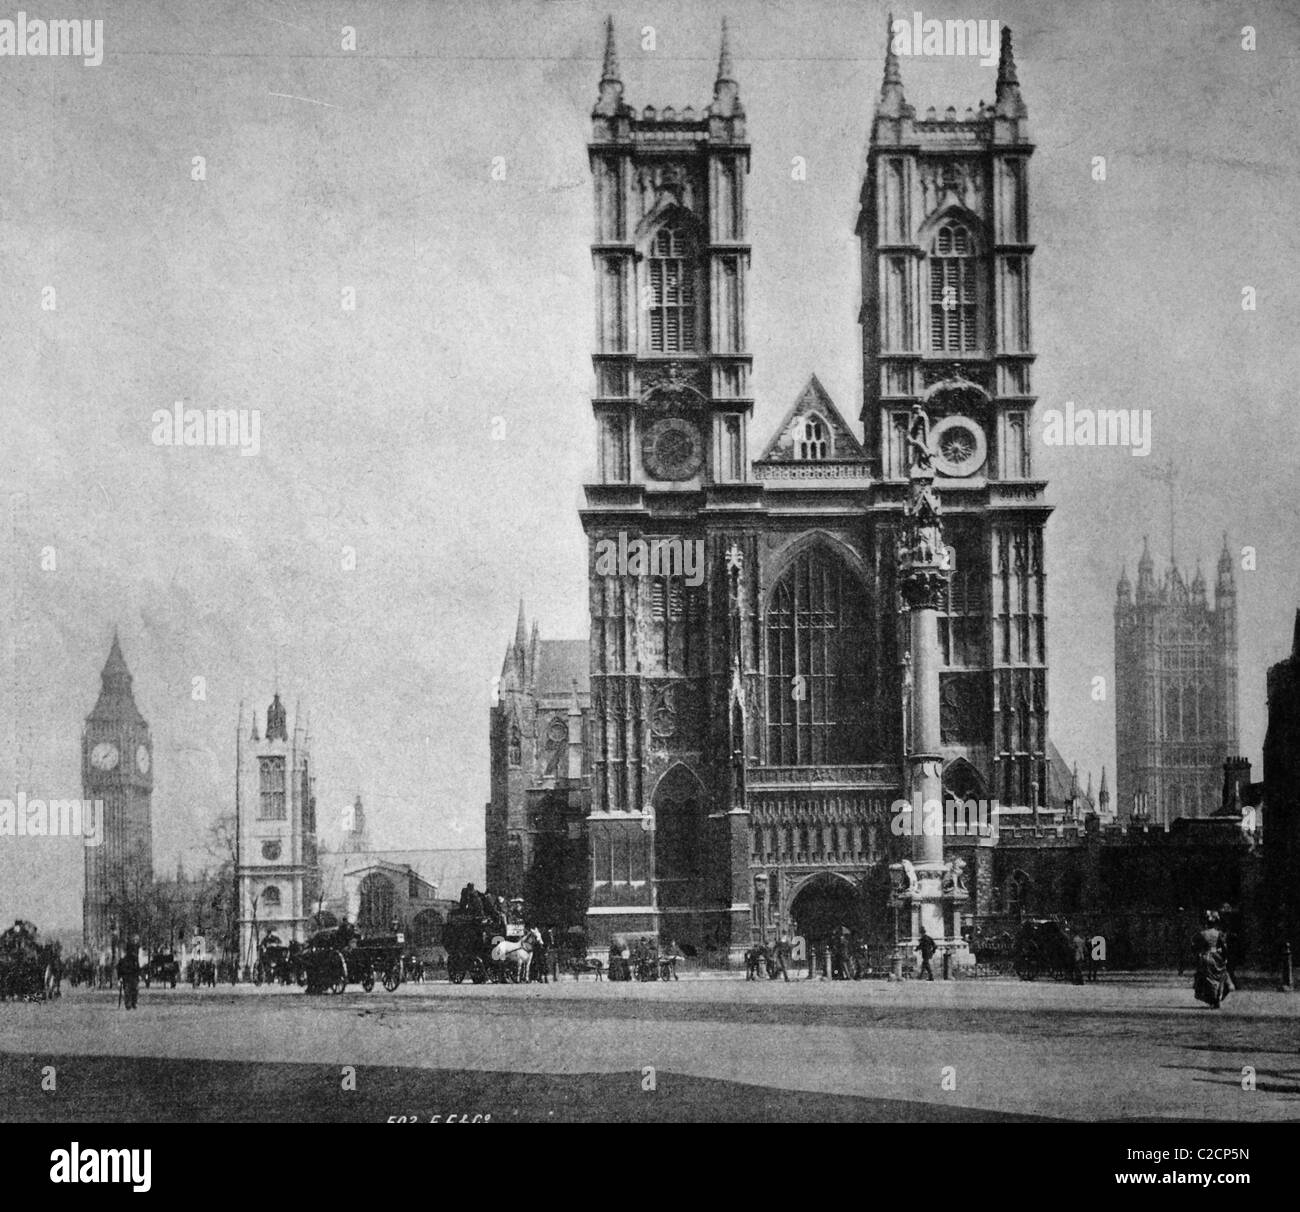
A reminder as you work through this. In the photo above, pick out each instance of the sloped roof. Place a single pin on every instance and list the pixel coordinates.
(560, 663)
(1060, 779)
(814, 398)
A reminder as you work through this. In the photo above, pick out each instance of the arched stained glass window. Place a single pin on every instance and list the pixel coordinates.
(817, 633)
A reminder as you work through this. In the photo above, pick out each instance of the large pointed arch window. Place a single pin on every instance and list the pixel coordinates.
(817, 634)
(670, 274)
(953, 290)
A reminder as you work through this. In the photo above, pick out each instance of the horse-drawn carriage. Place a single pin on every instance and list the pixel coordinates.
(274, 964)
(1043, 948)
(468, 938)
(478, 947)
(163, 968)
(334, 959)
(28, 968)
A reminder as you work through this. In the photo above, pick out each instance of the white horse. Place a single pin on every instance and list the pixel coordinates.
(516, 957)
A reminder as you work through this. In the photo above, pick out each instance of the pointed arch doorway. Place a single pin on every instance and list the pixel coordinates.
(825, 905)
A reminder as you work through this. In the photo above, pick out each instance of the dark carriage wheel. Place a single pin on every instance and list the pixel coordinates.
(368, 982)
(455, 973)
(393, 978)
(340, 982)
(478, 972)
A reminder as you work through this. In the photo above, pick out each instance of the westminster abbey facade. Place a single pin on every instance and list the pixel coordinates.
(744, 737)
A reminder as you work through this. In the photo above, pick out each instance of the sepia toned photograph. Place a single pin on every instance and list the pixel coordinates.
(669, 562)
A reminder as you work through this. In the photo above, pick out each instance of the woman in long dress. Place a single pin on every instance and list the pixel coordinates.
(1211, 984)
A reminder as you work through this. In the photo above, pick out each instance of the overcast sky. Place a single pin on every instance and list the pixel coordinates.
(371, 169)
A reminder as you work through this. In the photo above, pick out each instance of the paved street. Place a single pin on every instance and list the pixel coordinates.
(719, 1050)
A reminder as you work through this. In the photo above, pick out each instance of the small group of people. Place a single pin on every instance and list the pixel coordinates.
(485, 904)
(764, 961)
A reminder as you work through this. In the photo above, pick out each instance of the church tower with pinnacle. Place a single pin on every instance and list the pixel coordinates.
(671, 254)
(946, 252)
(117, 768)
(278, 864)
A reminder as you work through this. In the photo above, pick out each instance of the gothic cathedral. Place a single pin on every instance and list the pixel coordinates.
(748, 654)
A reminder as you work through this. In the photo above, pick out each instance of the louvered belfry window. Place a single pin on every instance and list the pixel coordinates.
(952, 290)
(672, 293)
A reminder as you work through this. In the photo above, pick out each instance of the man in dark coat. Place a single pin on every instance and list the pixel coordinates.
(128, 972)
(927, 947)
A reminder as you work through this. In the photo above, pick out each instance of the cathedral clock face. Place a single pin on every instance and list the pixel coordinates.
(104, 756)
(142, 759)
(673, 449)
(270, 851)
(959, 447)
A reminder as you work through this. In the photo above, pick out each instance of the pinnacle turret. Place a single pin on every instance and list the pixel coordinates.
(1225, 582)
(725, 70)
(277, 720)
(892, 102)
(1146, 582)
(610, 101)
(726, 91)
(1008, 103)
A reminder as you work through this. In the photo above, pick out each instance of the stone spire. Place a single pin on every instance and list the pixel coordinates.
(1124, 590)
(116, 701)
(892, 101)
(521, 628)
(277, 725)
(725, 89)
(725, 71)
(1224, 581)
(1146, 586)
(610, 101)
(1009, 103)
(1103, 796)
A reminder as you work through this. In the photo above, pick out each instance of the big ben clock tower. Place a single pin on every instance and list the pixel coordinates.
(117, 768)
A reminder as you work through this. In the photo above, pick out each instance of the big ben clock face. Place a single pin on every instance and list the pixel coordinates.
(104, 756)
(673, 449)
(142, 759)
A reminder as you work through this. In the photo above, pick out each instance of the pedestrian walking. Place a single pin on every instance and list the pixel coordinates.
(927, 947)
(1080, 956)
(1211, 983)
(780, 953)
(128, 973)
